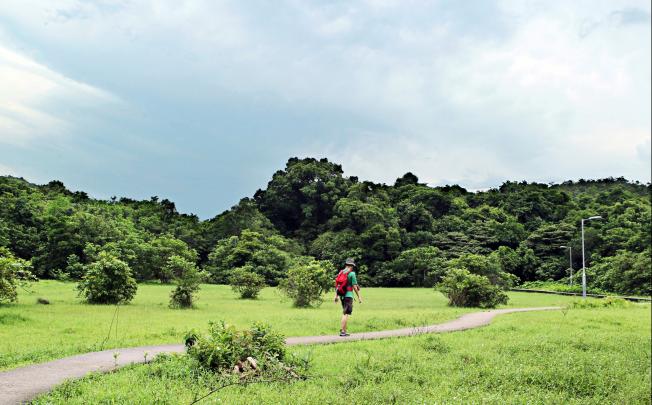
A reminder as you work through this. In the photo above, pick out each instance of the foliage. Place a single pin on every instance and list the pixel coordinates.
(419, 267)
(487, 266)
(608, 302)
(299, 200)
(188, 277)
(14, 273)
(225, 347)
(465, 289)
(311, 207)
(108, 281)
(561, 286)
(268, 256)
(246, 282)
(626, 273)
(306, 283)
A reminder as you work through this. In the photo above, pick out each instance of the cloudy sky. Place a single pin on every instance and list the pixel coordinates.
(201, 101)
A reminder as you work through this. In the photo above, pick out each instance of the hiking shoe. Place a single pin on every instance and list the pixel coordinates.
(344, 334)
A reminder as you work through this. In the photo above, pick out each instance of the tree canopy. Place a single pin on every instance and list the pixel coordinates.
(400, 234)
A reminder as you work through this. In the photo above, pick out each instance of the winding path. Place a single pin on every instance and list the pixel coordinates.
(23, 384)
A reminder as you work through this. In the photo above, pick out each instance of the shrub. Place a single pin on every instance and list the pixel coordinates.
(188, 278)
(246, 282)
(14, 273)
(306, 283)
(608, 302)
(488, 266)
(625, 273)
(465, 289)
(74, 269)
(225, 348)
(108, 281)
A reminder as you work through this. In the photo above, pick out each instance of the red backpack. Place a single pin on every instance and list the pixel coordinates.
(342, 283)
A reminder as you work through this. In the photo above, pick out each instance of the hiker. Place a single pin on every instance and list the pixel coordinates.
(345, 284)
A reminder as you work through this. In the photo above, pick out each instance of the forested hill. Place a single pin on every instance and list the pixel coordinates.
(398, 233)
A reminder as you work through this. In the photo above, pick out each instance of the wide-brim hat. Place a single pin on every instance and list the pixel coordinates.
(350, 262)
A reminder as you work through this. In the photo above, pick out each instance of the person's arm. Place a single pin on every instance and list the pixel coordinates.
(356, 288)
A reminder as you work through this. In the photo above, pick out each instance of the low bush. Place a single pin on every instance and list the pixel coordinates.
(559, 286)
(188, 278)
(14, 273)
(108, 281)
(246, 282)
(465, 289)
(608, 302)
(306, 283)
(254, 352)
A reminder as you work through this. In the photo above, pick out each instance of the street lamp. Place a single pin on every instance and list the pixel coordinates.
(570, 260)
(583, 261)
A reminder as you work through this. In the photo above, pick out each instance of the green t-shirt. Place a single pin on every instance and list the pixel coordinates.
(352, 281)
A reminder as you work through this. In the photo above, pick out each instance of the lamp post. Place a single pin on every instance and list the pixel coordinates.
(583, 260)
(570, 261)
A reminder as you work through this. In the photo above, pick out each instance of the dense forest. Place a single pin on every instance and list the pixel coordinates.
(399, 234)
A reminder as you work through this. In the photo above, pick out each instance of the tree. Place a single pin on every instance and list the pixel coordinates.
(269, 256)
(108, 281)
(299, 200)
(625, 273)
(188, 277)
(14, 273)
(420, 267)
(520, 262)
(306, 283)
(246, 282)
(465, 289)
(487, 266)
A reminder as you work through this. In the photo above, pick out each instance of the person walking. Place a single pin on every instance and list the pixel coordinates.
(346, 283)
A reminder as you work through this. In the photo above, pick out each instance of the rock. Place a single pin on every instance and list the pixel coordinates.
(253, 363)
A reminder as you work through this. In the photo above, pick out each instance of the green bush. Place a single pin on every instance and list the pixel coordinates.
(306, 283)
(484, 265)
(14, 273)
(246, 282)
(108, 281)
(561, 286)
(188, 278)
(608, 302)
(625, 273)
(225, 347)
(465, 289)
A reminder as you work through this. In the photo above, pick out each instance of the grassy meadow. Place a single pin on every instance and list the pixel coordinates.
(578, 356)
(32, 333)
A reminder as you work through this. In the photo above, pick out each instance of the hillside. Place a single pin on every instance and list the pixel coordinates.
(398, 233)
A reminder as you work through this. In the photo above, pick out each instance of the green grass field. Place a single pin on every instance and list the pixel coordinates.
(582, 356)
(32, 333)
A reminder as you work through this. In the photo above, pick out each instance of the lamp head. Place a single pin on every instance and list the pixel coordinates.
(595, 217)
(563, 247)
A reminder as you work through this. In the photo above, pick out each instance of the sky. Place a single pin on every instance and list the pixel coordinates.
(201, 102)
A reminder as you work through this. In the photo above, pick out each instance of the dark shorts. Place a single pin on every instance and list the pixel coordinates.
(347, 305)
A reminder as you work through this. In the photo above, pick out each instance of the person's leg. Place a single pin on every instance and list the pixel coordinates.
(345, 318)
(347, 309)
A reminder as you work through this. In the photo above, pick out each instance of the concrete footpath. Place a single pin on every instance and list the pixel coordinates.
(22, 384)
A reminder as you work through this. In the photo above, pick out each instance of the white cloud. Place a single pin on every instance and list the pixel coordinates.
(26, 89)
(525, 90)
